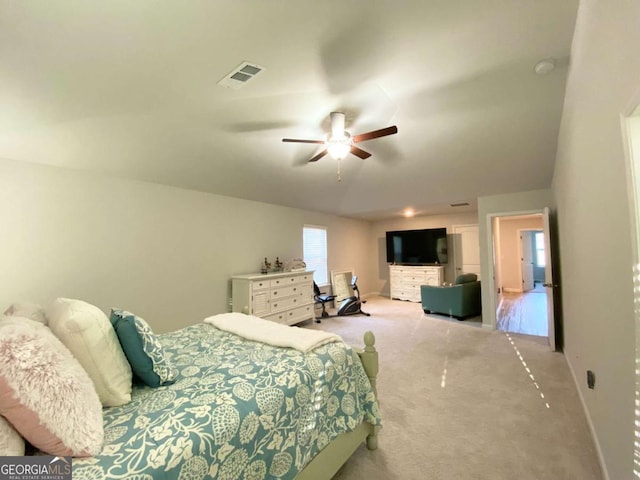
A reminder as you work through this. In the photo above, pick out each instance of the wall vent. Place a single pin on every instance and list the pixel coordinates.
(463, 204)
(240, 75)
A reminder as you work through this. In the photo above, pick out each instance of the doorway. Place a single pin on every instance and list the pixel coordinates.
(520, 262)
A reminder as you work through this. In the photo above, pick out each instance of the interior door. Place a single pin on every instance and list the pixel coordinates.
(526, 259)
(497, 263)
(548, 278)
(466, 244)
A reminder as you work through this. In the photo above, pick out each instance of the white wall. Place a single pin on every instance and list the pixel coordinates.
(589, 185)
(162, 252)
(380, 275)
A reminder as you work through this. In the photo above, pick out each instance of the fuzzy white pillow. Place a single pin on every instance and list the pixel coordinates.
(11, 443)
(32, 311)
(45, 393)
(87, 332)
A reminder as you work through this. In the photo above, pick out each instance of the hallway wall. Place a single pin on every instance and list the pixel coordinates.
(510, 249)
(590, 188)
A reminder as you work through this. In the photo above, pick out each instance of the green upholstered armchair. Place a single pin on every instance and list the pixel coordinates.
(459, 300)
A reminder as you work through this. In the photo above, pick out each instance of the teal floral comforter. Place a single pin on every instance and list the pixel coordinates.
(238, 410)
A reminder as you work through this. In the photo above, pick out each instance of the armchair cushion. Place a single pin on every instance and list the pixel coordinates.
(461, 300)
(466, 278)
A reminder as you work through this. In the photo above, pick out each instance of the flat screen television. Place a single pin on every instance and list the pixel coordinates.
(417, 247)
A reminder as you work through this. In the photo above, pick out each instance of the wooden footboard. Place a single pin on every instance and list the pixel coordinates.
(325, 465)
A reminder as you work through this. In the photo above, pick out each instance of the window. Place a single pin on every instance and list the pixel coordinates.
(540, 260)
(314, 245)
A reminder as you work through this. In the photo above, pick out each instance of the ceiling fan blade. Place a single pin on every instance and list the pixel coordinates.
(298, 140)
(358, 152)
(383, 132)
(319, 156)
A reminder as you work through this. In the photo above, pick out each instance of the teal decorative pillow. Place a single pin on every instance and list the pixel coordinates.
(142, 349)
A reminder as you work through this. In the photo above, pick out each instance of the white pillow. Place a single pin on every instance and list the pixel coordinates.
(87, 332)
(32, 311)
(11, 443)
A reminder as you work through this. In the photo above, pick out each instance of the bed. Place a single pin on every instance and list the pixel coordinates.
(240, 409)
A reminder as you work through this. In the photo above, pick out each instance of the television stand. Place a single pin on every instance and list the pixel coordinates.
(405, 280)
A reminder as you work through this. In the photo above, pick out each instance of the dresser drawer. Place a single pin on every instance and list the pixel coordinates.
(295, 315)
(432, 279)
(286, 291)
(259, 285)
(300, 313)
(286, 303)
(282, 281)
(412, 279)
(277, 317)
(306, 278)
(306, 291)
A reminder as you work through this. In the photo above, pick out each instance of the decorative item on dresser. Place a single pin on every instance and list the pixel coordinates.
(405, 280)
(281, 297)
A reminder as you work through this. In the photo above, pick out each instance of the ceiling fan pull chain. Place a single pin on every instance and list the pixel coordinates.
(339, 177)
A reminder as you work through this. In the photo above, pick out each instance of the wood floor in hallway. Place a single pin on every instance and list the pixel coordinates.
(524, 313)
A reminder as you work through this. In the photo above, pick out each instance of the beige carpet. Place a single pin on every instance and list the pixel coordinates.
(458, 403)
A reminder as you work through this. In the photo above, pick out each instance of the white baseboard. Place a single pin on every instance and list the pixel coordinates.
(603, 464)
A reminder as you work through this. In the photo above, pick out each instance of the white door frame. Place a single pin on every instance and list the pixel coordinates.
(632, 167)
(492, 260)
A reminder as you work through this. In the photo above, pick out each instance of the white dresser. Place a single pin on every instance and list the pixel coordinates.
(405, 281)
(281, 297)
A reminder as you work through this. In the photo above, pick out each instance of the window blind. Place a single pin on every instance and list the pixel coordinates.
(314, 244)
(540, 257)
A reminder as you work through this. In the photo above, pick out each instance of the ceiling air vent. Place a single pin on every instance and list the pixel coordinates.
(463, 204)
(240, 75)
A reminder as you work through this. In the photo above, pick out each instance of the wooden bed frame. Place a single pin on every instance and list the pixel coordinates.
(325, 465)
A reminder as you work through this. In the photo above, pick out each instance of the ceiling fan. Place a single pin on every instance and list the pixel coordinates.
(340, 143)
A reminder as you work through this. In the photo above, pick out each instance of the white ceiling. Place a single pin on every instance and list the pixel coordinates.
(128, 88)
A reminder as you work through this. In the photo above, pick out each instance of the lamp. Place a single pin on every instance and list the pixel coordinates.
(338, 150)
(339, 146)
(339, 142)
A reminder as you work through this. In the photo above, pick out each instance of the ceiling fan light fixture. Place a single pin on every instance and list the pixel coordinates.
(339, 146)
(338, 150)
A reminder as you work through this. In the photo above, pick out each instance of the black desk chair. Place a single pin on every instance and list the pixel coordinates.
(322, 299)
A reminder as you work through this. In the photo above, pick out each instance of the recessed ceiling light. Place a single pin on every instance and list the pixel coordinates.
(545, 66)
(409, 212)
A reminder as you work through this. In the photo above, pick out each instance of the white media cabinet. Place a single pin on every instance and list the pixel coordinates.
(405, 280)
(285, 297)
